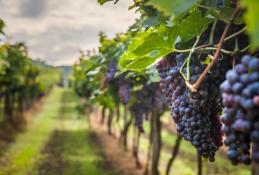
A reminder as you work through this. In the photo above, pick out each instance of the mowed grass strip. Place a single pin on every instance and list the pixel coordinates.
(81, 152)
(72, 149)
(23, 155)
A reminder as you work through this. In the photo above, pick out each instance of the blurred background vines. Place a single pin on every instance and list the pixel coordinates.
(23, 82)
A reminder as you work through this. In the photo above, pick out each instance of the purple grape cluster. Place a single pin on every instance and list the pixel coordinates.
(147, 99)
(240, 92)
(124, 92)
(195, 113)
(120, 83)
(141, 107)
(112, 69)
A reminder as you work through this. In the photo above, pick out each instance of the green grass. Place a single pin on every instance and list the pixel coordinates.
(25, 152)
(78, 150)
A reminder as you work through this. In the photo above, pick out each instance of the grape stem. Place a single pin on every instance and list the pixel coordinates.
(187, 60)
(246, 48)
(203, 48)
(235, 34)
(195, 86)
(212, 32)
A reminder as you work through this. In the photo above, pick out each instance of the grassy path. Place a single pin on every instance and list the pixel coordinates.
(57, 142)
(24, 153)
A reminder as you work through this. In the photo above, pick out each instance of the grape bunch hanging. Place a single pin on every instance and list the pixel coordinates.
(145, 103)
(124, 88)
(240, 116)
(196, 114)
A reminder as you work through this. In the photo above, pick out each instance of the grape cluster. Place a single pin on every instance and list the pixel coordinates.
(110, 74)
(141, 107)
(195, 113)
(240, 92)
(120, 83)
(124, 92)
(147, 99)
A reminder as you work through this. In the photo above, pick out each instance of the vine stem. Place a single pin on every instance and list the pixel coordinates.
(187, 61)
(235, 34)
(212, 32)
(195, 86)
(202, 48)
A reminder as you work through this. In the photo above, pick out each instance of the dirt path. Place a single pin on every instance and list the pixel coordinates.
(122, 161)
(74, 149)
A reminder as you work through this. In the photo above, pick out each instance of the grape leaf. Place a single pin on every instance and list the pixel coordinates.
(157, 42)
(172, 7)
(149, 46)
(251, 17)
(193, 25)
(149, 22)
(223, 12)
(141, 63)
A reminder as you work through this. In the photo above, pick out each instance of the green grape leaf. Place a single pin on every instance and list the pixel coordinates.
(251, 17)
(173, 7)
(149, 22)
(222, 12)
(157, 42)
(193, 25)
(141, 63)
(148, 46)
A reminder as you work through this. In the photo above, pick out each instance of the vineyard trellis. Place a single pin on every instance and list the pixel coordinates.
(177, 56)
(22, 81)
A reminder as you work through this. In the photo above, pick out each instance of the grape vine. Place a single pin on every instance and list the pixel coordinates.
(191, 52)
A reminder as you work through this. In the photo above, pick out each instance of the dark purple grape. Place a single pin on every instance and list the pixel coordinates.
(241, 125)
(232, 76)
(232, 154)
(241, 113)
(254, 64)
(245, 60)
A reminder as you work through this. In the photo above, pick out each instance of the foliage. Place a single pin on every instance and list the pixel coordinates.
(251, 20)
(178, 22)
(205, 30)
(22, 80)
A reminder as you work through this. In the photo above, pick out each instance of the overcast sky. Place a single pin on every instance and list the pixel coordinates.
(54, 30)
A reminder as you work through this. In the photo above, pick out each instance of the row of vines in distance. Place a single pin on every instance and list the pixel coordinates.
(22, 81)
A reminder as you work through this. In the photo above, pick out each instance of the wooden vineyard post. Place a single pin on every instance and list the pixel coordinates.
(103, 115)
(199, 163)
(109, 122)
(174, 154)
(146, 172)
(156, 139)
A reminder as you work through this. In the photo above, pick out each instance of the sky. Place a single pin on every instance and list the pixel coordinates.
(55, 30)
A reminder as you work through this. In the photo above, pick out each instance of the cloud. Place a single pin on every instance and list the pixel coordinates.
(33, 8)
(55, 30)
